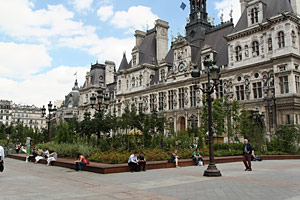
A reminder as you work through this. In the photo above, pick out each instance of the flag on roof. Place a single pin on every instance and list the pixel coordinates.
(182, 6)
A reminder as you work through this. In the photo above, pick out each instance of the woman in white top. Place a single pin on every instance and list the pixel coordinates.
(1, 159)
(52, 157)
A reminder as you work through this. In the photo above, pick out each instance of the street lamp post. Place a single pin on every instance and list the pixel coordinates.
(51, 113)
(213, 72)
(102, 99)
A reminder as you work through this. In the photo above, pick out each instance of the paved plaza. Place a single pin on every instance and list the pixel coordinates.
(277, 179)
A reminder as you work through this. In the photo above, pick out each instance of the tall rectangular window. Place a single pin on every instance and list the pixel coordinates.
(297, 80)
(193, 96)
(171, 99)
(152, 102)
(284, 84)
(140, 107)
(219, 89)
(257, 90)
(181, 97)
(240, 92)
(161, 101)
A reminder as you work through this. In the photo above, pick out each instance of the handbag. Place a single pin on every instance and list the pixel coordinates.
(1, 167)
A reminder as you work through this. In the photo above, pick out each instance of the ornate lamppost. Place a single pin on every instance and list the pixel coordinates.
(102, 99)
(213, 72)
(51, 113)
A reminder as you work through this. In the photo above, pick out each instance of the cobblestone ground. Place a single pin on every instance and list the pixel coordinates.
(268, 180)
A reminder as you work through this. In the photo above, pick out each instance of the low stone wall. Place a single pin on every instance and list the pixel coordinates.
(117, 168)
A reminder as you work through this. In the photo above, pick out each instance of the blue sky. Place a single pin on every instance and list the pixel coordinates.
(44, 42)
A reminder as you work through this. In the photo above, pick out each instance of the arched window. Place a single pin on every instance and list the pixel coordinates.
(133, 81)
(162, 75)
(238, 53)
(281, 42)
(141, 80)
(255, 48)
(127, 84)
(246, 51)
(193, 122)
(270, 46)
(254, 15)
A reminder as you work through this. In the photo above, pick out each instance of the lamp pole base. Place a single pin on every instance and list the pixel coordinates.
(212, 171)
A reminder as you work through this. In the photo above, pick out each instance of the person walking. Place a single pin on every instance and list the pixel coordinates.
(247, 155)
(1, 159)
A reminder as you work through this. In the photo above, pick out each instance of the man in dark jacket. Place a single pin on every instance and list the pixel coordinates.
(247, 155)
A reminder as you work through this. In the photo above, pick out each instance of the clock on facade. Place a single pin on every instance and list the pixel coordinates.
(181, 67)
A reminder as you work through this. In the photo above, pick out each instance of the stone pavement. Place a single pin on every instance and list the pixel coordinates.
(274, 179)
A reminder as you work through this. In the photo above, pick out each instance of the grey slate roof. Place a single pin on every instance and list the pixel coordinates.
(111, 86)
(72, 99)
(272, 8)
(124, 64)
(148, 49)
(170, 57)
(97, 74)
(217, 41)
(214, 38)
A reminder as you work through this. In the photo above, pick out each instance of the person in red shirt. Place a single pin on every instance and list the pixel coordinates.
(81, 161)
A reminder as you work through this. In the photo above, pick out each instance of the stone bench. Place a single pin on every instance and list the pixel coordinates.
(116, 168)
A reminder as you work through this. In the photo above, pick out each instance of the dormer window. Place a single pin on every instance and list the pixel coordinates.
(163, 75)
(255, 48)
(134, 60)
(281, 42)
(238, 53)
(254, 15)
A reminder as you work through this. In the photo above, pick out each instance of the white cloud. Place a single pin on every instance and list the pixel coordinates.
(42, 88)
(225, 6)
(81, 5)
(105, 12)
(137, 17)
(22, 60)
(104, 49)
(18, 20)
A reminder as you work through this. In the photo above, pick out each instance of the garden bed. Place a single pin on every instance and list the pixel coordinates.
(103, 168)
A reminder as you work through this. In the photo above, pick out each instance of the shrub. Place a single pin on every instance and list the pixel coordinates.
(68, 150)
(229, 146)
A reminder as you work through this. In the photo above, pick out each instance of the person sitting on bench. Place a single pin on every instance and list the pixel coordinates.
(198, 158)
(52, 157)
(142, 161)
(81, 161)
(133, 162)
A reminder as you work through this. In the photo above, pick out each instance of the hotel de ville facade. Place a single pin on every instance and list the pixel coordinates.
(259, 59)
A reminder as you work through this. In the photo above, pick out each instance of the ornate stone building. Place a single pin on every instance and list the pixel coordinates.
(100, 77)
(259, 60)
(30, 116)
(5, 112)
(69, 107)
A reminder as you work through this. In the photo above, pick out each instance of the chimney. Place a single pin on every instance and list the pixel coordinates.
(244, 4)
(296, 6)
(109, 72)
(139, 37)
(161, 39)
